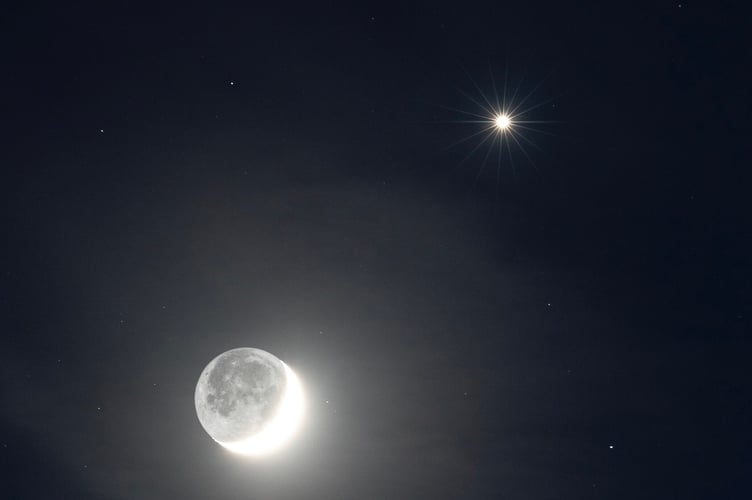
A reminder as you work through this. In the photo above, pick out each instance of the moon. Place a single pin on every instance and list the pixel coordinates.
(249, 401)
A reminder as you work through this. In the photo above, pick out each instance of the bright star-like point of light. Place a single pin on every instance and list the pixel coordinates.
(502, 122)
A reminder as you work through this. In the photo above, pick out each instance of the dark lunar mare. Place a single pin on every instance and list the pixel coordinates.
(238, 392)
(238, 382)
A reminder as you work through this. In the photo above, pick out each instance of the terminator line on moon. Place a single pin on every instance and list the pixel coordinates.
(249, 401)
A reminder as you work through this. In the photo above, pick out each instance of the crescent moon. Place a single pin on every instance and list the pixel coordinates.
(281, 427)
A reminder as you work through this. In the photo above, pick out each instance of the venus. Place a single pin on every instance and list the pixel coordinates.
(249, 401)
(502, 122)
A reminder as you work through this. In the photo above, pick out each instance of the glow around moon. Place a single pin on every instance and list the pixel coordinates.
(249, 401)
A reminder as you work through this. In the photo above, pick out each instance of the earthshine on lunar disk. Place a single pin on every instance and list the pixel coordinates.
(249, 401)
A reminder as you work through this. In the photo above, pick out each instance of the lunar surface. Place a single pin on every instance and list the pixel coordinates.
(249, 401)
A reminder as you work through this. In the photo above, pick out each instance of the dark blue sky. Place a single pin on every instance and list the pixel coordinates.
(185, 179)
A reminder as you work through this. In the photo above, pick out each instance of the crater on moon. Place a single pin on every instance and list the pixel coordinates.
(239, 392)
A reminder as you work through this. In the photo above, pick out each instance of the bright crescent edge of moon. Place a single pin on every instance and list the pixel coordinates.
(281, 428)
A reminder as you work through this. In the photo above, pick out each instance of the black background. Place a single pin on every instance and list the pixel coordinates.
(183, 179)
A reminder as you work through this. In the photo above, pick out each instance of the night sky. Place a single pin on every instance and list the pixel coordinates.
(185, 179)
